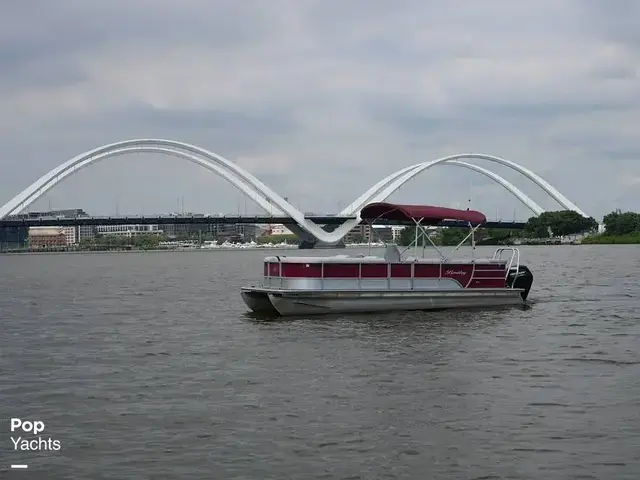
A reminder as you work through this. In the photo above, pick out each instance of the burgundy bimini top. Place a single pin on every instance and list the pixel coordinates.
(425, 214)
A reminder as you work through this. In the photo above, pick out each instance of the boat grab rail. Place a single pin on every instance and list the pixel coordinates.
(515, 257)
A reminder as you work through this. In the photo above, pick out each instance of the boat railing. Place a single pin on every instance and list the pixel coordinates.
(515, 258)
(274, 276)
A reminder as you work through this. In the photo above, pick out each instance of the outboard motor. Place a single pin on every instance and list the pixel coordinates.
(522, 278)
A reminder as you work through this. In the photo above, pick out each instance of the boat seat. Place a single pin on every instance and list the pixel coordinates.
(392, 254)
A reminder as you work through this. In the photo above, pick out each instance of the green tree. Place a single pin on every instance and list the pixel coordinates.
(559, 223)
(618, 223)
(407, 236)
(536, 228)
(289, 238)
(145, 241)
(452, 236)
(494, 236)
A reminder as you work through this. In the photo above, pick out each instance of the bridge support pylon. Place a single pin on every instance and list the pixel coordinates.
(308, 241)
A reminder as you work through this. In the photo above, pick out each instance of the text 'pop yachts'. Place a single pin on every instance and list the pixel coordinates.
(31, 444)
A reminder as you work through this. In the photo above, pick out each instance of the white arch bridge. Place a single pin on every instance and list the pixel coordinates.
(266, 198)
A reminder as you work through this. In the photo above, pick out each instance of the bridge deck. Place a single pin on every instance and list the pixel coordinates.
(214, 220)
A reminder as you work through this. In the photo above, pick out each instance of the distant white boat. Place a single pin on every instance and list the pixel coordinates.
(226, 245)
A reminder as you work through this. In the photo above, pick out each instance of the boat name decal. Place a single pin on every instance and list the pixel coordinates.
(455, 272)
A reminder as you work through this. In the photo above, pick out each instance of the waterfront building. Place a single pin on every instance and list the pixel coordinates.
(70, 234)
(13, 237)
(246, 231)
(239, 231)
(185, 230)
(80, 231)
(396, 232)
(364, 233)
(128, 230)
(46, 237)
(279, 229)
(84, 231)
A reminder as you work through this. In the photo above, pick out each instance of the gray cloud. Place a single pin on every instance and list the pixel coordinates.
(616, 21)
(259, 123)
(322, 98)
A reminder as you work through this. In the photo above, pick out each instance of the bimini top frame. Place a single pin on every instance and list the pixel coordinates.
(424, 215)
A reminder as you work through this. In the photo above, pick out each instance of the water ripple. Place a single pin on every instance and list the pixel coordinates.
(148, 367)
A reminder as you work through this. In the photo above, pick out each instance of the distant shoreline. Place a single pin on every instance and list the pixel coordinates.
(603, 239)
(138, 250)
(159, 250)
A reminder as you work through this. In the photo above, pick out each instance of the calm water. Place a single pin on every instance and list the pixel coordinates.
(145, 366)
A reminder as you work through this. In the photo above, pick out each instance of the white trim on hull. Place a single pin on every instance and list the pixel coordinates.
(288, 302)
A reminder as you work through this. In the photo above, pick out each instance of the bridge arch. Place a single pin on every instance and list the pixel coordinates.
(256, 190)
(266, 198)
(385, 187)
(511, 188)
(223, 167)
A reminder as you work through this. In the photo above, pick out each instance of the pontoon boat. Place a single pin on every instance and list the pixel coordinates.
(393, 282)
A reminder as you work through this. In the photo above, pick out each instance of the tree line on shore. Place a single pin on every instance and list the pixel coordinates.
(620, 227)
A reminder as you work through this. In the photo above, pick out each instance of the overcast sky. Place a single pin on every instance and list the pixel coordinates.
(321, 98)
